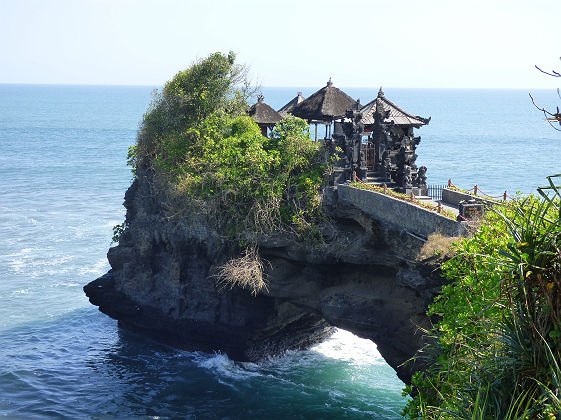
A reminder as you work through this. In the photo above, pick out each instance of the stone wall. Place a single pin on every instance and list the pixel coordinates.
(454, 197)
(404, 215)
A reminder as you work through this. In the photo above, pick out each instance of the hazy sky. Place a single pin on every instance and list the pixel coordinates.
(366, 43)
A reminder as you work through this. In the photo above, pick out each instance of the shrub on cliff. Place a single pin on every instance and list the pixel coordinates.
(214, 84)
(497, 343)
(206, 152)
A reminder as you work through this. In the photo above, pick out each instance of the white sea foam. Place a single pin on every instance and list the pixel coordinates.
(79, 233)
(54, 267)
(342, 345)
(24, 252)
(223, 366)
(97, 269)
(18, 261)
(346, 346)
(284, 361)
(56, 262)
(66, 284)
(20, 292)
(34, 262)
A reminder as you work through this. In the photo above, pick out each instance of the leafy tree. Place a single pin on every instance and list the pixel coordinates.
(204, 150)
(213, 84)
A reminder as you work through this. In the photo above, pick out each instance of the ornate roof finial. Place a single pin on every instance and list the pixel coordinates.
(380, 93)
(260, 98)
(357, 104)
(329, 83)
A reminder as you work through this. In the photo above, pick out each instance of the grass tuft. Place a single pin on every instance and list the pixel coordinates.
(245, 272)
(439, 246)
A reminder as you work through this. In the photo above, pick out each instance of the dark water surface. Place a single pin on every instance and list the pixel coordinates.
(63, 177)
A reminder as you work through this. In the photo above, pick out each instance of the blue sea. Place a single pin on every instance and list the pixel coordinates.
(63, 176)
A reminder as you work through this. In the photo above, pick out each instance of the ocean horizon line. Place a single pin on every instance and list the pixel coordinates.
(24, 84)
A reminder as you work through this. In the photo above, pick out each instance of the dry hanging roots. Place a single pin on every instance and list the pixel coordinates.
(245, 272)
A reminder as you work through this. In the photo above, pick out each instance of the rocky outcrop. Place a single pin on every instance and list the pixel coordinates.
(366, 281)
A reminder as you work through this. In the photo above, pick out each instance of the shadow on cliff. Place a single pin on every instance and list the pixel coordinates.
(369, 282)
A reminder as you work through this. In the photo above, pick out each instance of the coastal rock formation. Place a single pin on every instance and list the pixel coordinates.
(366, 280)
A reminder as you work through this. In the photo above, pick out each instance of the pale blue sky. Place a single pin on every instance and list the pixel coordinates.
(366, 43)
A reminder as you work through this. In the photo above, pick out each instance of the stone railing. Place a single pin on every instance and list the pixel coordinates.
(402, 214)
(453, 197)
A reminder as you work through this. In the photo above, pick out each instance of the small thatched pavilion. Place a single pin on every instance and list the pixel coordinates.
(265, 116)
(287, 109)
(324, 106)
(395, 114)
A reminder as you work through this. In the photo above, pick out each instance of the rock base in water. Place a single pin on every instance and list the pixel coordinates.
(366, 281)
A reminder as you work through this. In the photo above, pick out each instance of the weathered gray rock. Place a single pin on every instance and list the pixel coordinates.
(366, 281)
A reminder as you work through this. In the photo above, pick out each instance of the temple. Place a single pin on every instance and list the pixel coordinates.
(287, 109)
(375, 142)
(265, 116)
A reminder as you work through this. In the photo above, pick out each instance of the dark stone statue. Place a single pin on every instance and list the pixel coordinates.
(387, 169)
(407, 178)
(353, 131)
(389, 154)
(421, 179)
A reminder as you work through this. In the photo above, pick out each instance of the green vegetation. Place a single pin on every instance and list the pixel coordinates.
(497, 344)
(117, 232)
(208, 155)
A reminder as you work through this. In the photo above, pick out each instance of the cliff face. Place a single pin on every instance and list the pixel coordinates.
(367, 282)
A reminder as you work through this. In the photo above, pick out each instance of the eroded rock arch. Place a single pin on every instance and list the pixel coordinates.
(368, 282)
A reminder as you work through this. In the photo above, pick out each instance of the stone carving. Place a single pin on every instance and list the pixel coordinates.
(407, 178)
(387, 169)
(353, 131)
(397, 144)
(391, 155)
(421, 179)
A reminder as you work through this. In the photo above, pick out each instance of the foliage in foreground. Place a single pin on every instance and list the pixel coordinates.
(206, 152)
(497, 345)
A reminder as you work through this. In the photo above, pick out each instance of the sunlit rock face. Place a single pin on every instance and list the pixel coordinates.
(366, 280)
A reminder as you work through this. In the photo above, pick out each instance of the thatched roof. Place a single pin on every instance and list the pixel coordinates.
(287, 109)
(326, 104)
(263, 113)
(397, 115)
